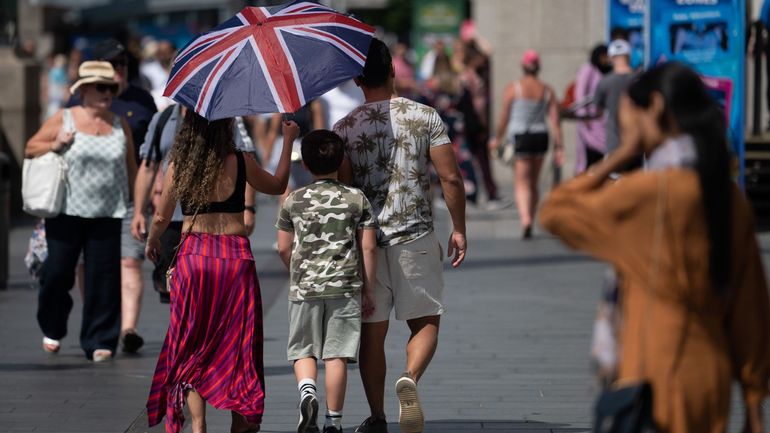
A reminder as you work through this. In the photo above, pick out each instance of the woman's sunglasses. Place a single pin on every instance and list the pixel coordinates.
(104, 88)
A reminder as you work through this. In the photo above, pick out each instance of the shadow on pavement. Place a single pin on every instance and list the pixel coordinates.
(476, 425)
(278, 370)
(42, 367)
(487, 216)
(551, 259)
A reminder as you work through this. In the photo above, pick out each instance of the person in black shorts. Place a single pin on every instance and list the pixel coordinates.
(530, 110)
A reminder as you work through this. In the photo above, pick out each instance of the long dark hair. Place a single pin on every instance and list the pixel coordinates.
(691, 109)
(598, 53)
(198, 154)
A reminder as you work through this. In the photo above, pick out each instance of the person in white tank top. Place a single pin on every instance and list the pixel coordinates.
(529, 119)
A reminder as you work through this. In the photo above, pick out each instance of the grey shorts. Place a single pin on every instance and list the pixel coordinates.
(409, 280)
(324, 329)
(129, 246)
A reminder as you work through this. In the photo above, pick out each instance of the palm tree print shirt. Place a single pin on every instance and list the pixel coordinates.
(388, 144)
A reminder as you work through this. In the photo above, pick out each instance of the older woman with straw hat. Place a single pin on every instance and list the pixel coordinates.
(98, 148)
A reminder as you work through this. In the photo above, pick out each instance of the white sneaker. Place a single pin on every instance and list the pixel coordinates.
(410, 417)
(498, 204)
(308, 415)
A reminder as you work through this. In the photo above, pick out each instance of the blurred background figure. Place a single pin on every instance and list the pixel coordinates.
(447, 94)
(459, 52)
(609, 91)
(591, 135)
(429, 60)
(406, 83)
(27, 49)
(75, 58)
(529, 112)
(156, 67)
(475, 78)
(341, 100)
(57, 85)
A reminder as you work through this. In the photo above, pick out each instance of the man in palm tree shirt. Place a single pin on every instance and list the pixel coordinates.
(390, 143)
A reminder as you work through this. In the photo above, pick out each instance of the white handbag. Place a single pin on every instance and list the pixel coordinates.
(43, 184)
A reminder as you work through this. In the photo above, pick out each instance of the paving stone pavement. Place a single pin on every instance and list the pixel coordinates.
(512, 355)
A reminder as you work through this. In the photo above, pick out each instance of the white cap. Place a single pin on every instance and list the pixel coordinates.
(619, 47)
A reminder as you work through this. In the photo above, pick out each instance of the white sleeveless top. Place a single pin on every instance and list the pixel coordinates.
(528, 115)
(97, 177)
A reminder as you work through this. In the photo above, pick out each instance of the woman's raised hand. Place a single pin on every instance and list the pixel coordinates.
(290, 130)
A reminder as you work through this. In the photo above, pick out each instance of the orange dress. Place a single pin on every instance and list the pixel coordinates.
(682, 336)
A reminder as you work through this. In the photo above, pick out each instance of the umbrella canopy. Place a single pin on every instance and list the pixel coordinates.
(268, 60)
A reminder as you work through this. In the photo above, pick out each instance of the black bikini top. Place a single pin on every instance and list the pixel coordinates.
(236, 203)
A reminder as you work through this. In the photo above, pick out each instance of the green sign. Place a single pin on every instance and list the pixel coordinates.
(434, 20)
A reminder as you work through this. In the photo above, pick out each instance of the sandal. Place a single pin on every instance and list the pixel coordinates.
(131, 341)
(526, 233)
(102, 355)
(50, 345)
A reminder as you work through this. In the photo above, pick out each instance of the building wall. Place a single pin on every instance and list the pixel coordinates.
(562, 31)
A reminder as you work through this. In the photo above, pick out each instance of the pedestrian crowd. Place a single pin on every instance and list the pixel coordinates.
(355, 173)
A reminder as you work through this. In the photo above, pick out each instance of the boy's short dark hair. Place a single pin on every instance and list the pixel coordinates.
(378, 64)
(322, 152)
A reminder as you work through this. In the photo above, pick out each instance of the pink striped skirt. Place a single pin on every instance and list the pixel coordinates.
(214, 339)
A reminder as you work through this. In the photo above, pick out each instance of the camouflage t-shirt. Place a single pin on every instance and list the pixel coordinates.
(388, 144)
(325, 217)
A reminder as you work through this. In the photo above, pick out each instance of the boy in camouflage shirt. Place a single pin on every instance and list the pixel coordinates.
(327, 239)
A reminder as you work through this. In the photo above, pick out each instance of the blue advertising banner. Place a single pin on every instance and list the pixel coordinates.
(709, 35)
(628, 16)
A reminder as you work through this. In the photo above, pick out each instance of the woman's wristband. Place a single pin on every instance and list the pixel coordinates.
(252, 209)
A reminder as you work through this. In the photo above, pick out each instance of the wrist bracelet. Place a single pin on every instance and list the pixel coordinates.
(252, 209)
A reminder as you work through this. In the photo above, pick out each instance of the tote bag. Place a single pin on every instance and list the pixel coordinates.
(43, 184)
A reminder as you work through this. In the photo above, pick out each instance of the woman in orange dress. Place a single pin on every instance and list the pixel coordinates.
(695, 306)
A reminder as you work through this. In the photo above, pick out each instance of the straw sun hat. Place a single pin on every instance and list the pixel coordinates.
(94, 72)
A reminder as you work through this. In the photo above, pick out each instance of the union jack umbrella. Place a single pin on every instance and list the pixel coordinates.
(268, 60)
